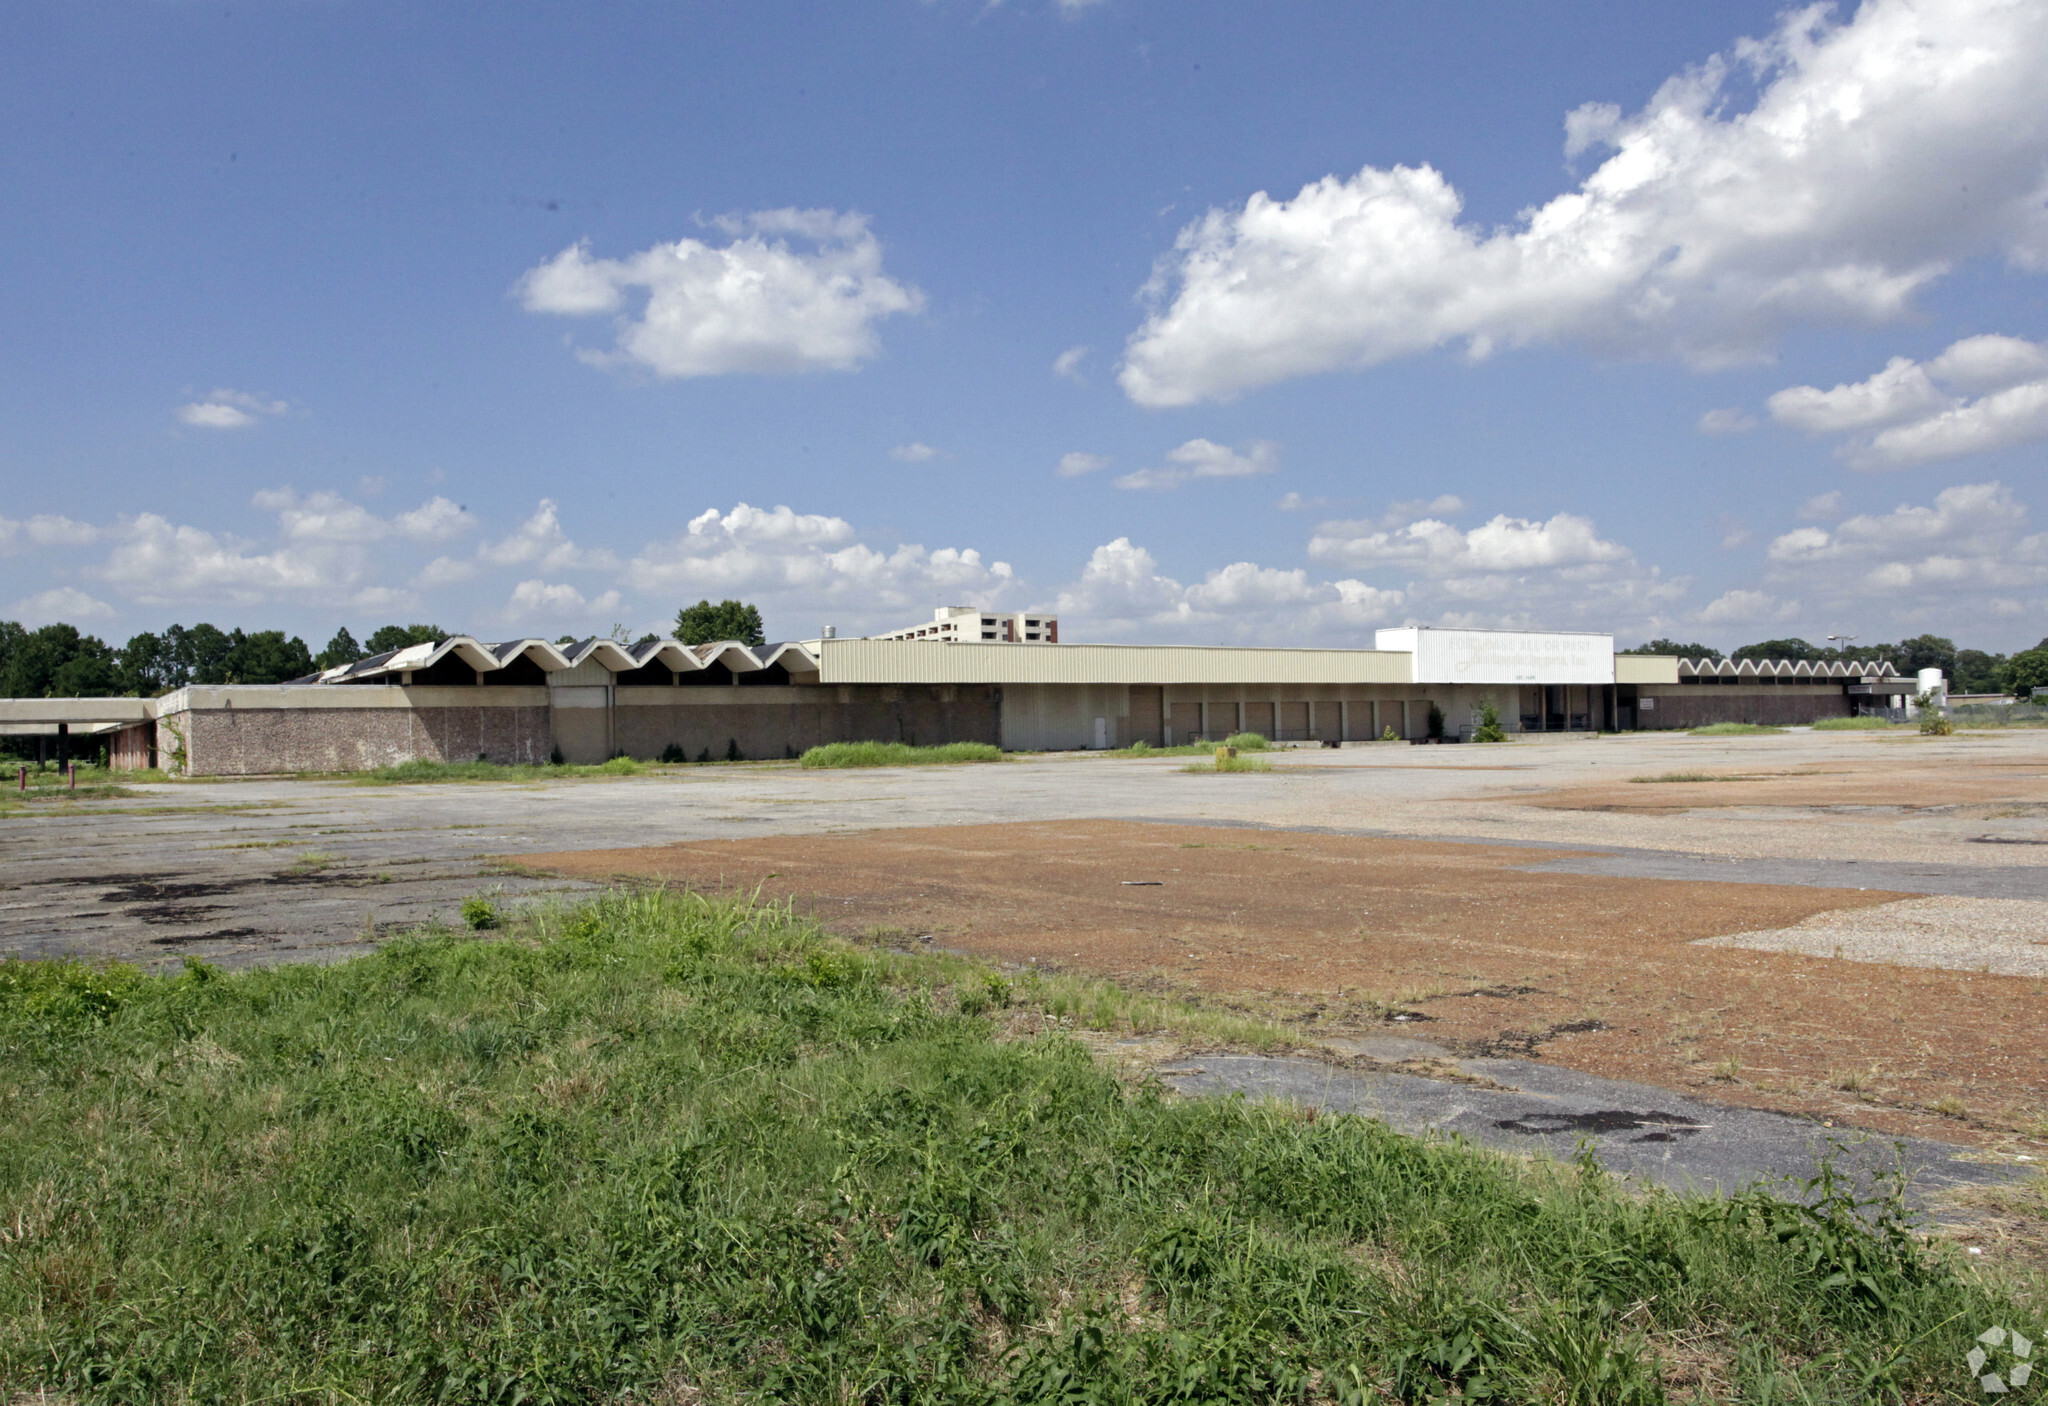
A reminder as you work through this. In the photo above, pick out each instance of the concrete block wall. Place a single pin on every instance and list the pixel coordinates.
(267, 741)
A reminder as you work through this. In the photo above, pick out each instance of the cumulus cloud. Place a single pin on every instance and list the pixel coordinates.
(540, 539)
(1970, 544)
(1741, 607)
(1726, 422)
(794, 290)
(1878, 152)
(229, 410)
(1068, 363)
(1987, 392)
(1821, 506)
(538, 600)
(159, 562)
(1436, 548)
(44, 530)
(66, 603)
(1122, 593)
(329, 517)
(811, 557)
(913, 453)
(1078, 463)
(1201, 458)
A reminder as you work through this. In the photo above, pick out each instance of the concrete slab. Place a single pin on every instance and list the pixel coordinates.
(1634, 1130)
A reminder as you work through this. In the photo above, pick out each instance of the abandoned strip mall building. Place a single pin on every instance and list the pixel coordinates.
(528, 701)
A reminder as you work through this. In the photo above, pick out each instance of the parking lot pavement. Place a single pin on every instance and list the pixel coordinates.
(1633, 1129)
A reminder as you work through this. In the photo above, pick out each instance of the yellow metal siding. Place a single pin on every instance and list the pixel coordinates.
(1646, 668)
(927, 661)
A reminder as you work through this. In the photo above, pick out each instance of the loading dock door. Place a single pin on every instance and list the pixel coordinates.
(1258, 717)
(1187, 723)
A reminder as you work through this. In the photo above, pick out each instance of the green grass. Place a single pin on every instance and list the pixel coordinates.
(414, 772)
(1230, 764)
(859, 754)
(668, 1148)
(1851, 725)
(1146, 749)
(1688, 776)
(664, 1148)
(1736, 730)
(1248, 742)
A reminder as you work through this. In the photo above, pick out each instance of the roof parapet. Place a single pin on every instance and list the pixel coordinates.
(609, 654)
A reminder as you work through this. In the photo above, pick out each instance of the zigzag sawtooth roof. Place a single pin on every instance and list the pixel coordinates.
(1786, 669)
(490, 657)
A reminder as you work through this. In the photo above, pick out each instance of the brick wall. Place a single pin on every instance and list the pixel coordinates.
(261, 741)
(1770, 705)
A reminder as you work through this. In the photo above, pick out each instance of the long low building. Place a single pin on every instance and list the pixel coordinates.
(528, 701)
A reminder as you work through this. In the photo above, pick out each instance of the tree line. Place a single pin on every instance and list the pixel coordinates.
(60, 661)
(1967, 670)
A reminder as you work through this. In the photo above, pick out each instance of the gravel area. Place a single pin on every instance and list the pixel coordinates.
(2002, 936)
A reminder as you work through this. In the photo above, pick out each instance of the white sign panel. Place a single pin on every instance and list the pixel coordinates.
(1503, 656)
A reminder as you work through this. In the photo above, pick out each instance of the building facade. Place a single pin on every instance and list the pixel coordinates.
(527, 702)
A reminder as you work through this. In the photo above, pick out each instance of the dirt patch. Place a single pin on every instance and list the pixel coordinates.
(1349, 935)
(1895, 781)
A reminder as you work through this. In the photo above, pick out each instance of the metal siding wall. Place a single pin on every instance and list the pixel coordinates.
(925, 661)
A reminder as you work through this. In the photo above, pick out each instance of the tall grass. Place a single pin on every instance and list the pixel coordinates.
(857, 754)
(1248, 742)
(1229, 764)
(666, 1148)
(1736, 730)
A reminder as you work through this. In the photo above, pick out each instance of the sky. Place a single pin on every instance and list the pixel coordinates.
(1191, 320)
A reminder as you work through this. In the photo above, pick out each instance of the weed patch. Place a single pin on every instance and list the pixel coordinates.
(416, 772)
(1230, 764)
(1736, 730)
(861, 754)
(1852, 725)
(663, 1147)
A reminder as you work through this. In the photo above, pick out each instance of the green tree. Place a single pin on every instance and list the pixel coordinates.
(342, 649)
(267, 657)
(1978, 672)
(2027, 673)
(1793, 649)
(403, 637)
(1683, 651)
(56, 661)
(1926, 652)
(705, 623)
(149, 666)
(201, 653)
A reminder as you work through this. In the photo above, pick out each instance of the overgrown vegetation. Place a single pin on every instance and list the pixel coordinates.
(1489, 728)
(423, 771)
(1736, 730)
(1225, 762)
(673, 1149)
(1249, 742)
(1851, 725)
(858, 754)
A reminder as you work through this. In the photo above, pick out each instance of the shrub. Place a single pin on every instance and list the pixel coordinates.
(1436, 721)
(479, 914)
(1489, 729)
(732, 750)
(1248, 742)
(859, 754)
(673, 754)
(1389, 735)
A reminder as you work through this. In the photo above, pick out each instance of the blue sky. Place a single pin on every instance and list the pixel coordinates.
(1194, 321)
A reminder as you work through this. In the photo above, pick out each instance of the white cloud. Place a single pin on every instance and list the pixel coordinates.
(1745, 607)
(229, 410)
(913, 453)
(1971, 541)
(65, 603)
(435, 520)
(1201, 458)
(1726, 422)
(1923, 412)
(159, 562)
(1121, 593)
(44, 530)
(538, 600)
(329, 517)
(808, 558)
(795, 290)
(541, 539)
(1438, 549)
(1877, 154)
(1821, 506)
(1077, 463)
(1068, 363)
